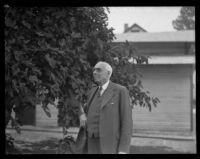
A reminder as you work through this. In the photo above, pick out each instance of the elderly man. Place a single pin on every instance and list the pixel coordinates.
(108, 115)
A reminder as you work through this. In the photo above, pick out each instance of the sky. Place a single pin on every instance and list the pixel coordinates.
(152, 19)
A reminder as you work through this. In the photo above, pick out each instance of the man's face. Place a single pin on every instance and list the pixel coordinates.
(100, 74)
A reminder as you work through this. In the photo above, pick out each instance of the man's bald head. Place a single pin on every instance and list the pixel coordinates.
(104, 65)
(102, 72)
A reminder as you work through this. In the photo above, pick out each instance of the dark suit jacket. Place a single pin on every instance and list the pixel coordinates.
(115, 119)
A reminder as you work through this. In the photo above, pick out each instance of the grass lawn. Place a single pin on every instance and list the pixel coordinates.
(30, 142)
(50, 146)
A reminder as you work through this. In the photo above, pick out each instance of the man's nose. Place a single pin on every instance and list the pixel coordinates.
(94, 72)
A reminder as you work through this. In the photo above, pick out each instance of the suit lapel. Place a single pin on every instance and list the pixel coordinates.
(91, 96)
(107, 94)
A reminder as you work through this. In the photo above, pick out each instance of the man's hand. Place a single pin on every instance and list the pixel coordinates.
(83, 120)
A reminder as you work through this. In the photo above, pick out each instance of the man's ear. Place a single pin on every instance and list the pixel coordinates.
(109, 74)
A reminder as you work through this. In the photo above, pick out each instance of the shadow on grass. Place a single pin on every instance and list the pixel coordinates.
(43, 147)
(50, 146)
(152, 150)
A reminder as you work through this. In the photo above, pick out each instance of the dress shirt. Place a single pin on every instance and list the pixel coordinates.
(104, 87)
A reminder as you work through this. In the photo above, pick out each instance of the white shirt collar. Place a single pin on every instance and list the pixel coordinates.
(104, 86)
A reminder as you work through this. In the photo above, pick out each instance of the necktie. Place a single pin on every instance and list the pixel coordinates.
(99, 90)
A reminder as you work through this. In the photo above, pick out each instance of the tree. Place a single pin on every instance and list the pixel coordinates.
(186, 19)
(50, 52)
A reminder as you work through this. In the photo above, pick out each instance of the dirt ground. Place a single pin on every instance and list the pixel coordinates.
(35, 142)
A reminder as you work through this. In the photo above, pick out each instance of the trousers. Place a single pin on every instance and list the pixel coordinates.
(94, 145)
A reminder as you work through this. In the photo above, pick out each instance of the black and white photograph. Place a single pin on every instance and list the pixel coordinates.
(100, 80)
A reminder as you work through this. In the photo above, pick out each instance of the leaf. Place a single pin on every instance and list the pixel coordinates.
(59, 14)
(50, 60)
(48, 34)
(9, 22)
(36, 70)
(18, 55)
(76, 35)
(62, 42)
(33, 79)
(100, 43)
(39, 33)
(47, 111)
(65, 31)
(14, 85)
(26, 24)
(52, 76)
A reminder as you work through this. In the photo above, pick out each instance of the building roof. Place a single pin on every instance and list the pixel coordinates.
(134, 26)
(170, 60)
(174, 36)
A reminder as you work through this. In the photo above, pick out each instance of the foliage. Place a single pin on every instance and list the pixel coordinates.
(50, 52)
(66, 145)
(186, 19)
(126, 73)
(10, 146)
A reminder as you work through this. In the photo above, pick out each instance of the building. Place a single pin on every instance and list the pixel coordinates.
(133, 29)
(169, 76)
